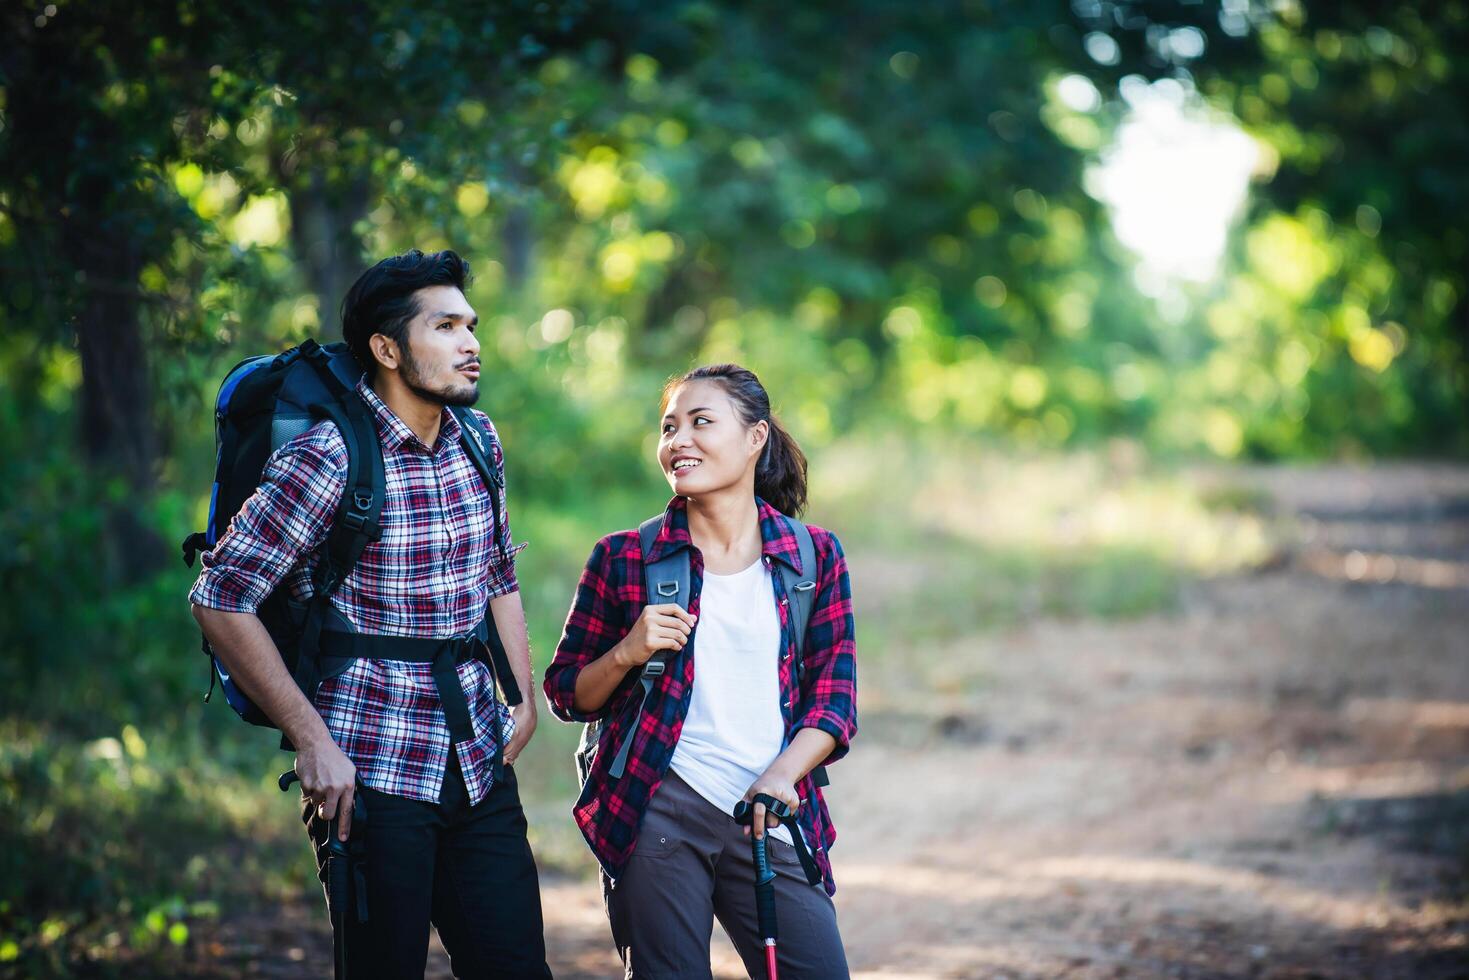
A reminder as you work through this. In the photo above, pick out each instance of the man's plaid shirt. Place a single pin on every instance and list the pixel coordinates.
(609, 600)
(432, 574)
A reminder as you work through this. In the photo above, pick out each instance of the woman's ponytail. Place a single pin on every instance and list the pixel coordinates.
(780, 475)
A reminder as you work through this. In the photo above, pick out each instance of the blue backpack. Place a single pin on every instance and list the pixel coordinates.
(263, 403)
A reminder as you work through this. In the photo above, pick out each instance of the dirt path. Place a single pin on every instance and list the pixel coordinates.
(1272, 781)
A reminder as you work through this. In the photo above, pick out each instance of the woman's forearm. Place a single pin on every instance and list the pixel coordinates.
(598, 679)
(806, 752)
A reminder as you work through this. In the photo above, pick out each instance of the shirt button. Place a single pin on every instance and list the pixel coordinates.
(786, 705)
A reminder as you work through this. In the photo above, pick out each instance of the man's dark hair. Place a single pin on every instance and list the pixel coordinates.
(382, 301)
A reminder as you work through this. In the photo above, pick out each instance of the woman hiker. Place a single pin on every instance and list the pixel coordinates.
(751, 712)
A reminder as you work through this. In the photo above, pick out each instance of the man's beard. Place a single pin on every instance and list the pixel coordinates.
(463, 396)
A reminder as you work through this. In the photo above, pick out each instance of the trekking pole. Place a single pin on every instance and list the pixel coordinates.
(341, 870)
(744, 814)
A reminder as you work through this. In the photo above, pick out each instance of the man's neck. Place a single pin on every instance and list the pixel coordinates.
(422, 416)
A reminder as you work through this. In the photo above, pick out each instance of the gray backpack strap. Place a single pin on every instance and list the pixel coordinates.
(800, 591)
(666, 580)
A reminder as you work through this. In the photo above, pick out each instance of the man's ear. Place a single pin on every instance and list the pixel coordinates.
(384, 349)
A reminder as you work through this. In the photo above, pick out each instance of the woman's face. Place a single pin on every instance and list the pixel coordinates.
(704, 446)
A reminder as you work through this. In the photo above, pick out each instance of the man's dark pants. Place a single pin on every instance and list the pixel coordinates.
(468, 870)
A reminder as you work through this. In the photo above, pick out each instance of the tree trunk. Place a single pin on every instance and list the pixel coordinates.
(515, 239)
(118, 435)
(322, 219)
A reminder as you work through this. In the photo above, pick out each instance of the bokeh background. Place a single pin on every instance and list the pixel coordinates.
(1127, 340)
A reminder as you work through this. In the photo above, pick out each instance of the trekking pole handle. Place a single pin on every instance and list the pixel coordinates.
(764, 890)
(286, 779)
(744, 811)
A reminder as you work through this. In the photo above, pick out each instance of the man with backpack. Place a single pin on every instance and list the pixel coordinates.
(363, 600)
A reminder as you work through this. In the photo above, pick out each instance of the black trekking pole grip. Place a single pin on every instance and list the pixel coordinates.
(764, 888)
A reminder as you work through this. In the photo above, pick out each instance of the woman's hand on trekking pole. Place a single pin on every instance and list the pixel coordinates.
(329, 779)
(772, 782)
(661, 627)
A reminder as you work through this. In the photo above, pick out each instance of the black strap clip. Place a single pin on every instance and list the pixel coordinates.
(357, 516)
(193, 544)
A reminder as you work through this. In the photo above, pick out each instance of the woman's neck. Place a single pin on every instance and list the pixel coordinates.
(726, 530)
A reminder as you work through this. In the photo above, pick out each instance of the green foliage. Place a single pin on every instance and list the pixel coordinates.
(1342, 324)
(879, 207)
(111, 847)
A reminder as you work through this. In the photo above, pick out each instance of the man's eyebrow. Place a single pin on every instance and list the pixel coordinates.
(473, 321)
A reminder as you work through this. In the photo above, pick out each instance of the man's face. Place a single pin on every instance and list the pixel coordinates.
(440, 361)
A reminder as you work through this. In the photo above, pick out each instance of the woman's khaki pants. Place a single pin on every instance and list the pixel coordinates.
(693, 864)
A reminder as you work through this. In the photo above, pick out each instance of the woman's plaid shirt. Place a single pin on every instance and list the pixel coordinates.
(432, 574)
(609, 600)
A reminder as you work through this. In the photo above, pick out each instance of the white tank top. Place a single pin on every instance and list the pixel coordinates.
(734, 729)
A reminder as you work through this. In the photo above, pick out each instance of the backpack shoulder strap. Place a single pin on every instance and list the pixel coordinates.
(475, 438)
(666, 580)
(800, 589)
(356, 525)
(359, 515)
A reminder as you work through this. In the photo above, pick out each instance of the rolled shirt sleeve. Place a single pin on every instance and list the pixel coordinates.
(829, 687)
(288, 516)
(594, 626)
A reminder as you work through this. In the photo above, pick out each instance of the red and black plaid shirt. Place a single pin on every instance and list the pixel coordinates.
(609, 599)
(432, 574)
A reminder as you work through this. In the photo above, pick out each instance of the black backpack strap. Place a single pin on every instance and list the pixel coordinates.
(475, 439)
(356, 525)
(800, 589)
(667, 580)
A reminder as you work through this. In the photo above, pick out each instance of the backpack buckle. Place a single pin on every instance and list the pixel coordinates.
(356, 516)
(668, 589)
(654, 668)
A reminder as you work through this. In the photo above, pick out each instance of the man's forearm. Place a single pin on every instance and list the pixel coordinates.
(244, 646)
(509, 617)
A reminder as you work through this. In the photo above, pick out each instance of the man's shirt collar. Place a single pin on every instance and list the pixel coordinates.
(396, 434)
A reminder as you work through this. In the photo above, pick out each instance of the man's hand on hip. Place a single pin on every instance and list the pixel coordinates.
(524, 716)
(329, 779)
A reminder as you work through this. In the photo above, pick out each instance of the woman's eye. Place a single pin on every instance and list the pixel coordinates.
(701, 419)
